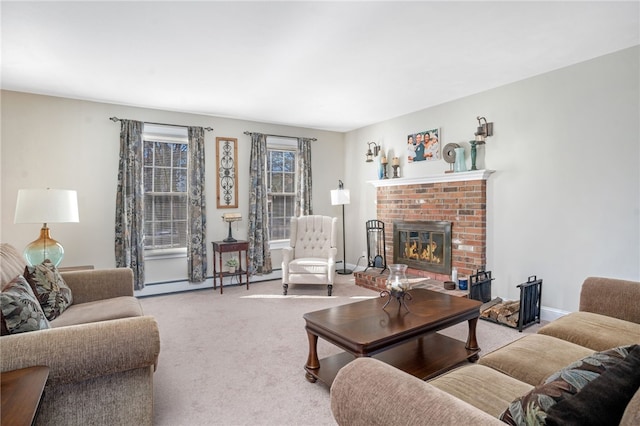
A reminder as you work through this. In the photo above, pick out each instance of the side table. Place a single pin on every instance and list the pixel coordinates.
(220, 247)
(21, 392)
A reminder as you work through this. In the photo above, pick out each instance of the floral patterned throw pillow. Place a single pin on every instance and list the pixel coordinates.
(21, 311)
(532, 408)
(603, 401)
(52, 292)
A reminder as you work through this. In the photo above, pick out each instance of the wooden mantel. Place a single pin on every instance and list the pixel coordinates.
(444, 177)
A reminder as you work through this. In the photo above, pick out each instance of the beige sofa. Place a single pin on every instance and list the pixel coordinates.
(369, 392)
(101, 351)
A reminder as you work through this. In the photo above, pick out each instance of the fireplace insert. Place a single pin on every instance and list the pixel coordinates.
(423, 245)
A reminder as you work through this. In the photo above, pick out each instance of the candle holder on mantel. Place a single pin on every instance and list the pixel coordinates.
(395, 163)
(383, 163)
(397, 286)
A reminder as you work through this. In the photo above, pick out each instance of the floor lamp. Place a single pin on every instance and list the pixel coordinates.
(341, 196)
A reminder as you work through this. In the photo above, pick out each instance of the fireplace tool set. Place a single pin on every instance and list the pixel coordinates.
(376, 245)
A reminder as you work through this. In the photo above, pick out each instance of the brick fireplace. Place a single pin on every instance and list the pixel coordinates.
(458, 198)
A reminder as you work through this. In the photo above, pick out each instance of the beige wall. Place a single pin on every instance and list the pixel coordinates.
(70, 144)
(564, 202)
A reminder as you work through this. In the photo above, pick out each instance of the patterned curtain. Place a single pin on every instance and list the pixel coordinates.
(129, 239)
(303, 191)
(259, 254)
(197, 213)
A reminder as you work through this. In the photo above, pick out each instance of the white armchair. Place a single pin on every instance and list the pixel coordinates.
(311, 259)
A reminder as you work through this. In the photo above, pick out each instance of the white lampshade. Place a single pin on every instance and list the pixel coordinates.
(46, 206)
(340, 197)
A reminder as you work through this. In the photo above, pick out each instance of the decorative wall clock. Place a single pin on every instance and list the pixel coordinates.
(226, 172)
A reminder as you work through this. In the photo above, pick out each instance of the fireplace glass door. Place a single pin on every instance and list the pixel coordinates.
(423, 245)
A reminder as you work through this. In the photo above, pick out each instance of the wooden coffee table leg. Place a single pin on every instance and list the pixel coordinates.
(472, 342)
(313, 363)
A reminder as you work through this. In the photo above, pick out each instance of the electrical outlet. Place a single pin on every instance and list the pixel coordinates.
(364, 253)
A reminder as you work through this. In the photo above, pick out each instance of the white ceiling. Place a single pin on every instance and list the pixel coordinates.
(325, 65)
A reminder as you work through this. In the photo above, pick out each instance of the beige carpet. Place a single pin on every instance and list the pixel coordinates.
(238, 358)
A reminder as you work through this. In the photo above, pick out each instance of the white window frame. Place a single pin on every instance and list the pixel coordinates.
(287, 144)
(166, 134)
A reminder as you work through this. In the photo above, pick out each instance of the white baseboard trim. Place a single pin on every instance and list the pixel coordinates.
(546, 313)
(156, 289)
(551, 314)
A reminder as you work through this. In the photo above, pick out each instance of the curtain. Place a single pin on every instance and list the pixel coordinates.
(303, 205)
(129, 227)
(196, 211)
(258, 233)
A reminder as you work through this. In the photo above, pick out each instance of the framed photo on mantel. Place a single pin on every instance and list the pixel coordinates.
(423, 146)
(226, 172)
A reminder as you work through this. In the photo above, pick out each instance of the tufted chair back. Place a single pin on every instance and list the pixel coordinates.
(313, 236)
(310, 259)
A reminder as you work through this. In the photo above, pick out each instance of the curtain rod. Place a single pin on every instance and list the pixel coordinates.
(114, 119)
(279, 136)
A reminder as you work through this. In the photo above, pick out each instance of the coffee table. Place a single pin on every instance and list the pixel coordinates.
(406, 339)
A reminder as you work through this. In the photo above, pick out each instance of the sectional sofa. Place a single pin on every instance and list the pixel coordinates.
(567, 373)
(101, 350)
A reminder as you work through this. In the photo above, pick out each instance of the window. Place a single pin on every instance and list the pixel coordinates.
(281, 181)
(165, 190)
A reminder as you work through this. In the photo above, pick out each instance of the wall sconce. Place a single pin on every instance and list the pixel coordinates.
(483, 131)
(372, 153)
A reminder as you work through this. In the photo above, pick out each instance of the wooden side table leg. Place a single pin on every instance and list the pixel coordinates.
(214, 269)
(221, 284)
(239, 271)
(246, 262)
(472, 342)
(313, 363)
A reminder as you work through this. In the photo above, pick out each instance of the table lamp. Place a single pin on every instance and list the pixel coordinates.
(45, 206)
(231, 217)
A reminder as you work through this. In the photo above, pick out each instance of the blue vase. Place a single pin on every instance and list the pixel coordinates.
(460, 164)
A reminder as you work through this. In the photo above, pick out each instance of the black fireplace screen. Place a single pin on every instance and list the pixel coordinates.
(423, 245)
